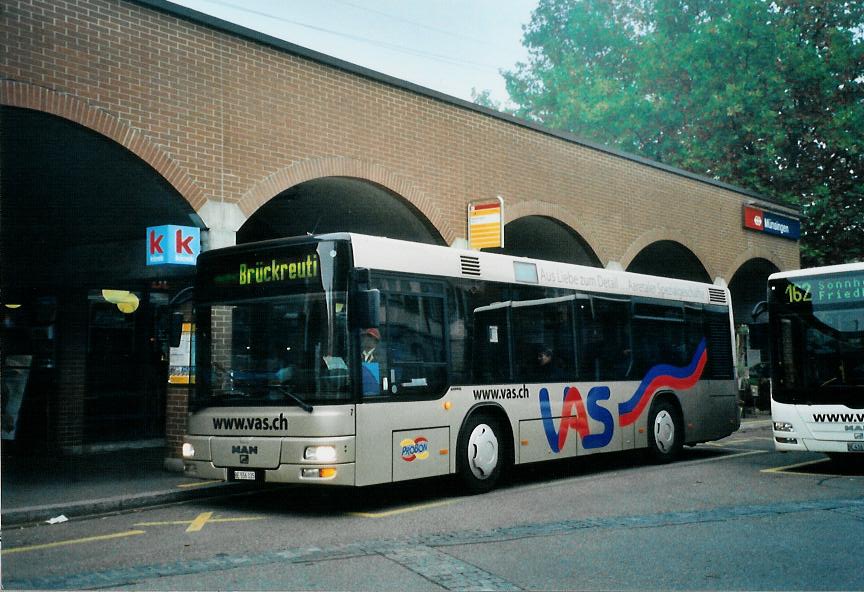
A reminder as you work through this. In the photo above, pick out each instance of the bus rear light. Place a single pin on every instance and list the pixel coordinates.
(783, 426)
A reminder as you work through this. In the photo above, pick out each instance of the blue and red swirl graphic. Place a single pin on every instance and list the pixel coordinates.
(663, 376)
(574, 414)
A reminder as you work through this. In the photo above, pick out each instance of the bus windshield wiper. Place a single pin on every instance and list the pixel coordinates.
(303, 404)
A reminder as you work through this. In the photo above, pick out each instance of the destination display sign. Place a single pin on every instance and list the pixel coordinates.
(258, 273)
(820, 290)
(277, 270)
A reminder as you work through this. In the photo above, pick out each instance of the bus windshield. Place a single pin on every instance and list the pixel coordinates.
(818, 324)
(273, 342)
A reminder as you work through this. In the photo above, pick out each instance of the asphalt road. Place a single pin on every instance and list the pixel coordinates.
(734, 515)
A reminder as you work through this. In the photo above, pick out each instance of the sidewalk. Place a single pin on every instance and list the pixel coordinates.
(755, 419)
(36, 490)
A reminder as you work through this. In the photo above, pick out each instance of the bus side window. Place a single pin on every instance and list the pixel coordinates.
(660, 329)
(491, 345)
(413, 333)
(606, 351)
(543, 324)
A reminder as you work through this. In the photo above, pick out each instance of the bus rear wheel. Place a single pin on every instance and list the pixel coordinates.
(665, 431)
(481, 453)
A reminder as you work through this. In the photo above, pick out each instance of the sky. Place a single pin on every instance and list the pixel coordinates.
(451, 46)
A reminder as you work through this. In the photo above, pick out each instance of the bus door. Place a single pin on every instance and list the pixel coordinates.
(404, 420)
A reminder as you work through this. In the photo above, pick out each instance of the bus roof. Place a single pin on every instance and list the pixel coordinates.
(812, 271)
(398, 255)
(387, 254)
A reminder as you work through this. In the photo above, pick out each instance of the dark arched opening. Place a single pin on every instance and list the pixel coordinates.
(339, 204)
(76, 206)
(748, 287)
(669, 259)
(541, 237)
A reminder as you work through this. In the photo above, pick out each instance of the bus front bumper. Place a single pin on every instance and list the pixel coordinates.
(310, 460)
(335, 474)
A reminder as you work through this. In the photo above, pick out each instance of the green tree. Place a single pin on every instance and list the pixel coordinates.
(767, 95)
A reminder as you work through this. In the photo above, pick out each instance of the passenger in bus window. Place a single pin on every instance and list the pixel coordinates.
(369, 340)
(547, 366)
(371, 367)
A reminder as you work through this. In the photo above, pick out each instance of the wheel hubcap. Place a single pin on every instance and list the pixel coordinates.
(482, 451)
(664, 431)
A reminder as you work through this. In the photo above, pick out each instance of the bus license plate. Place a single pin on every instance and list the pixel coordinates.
(244, 475)
(855, 446)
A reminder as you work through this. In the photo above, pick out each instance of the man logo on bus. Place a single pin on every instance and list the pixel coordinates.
(659, 377)
(414, 449)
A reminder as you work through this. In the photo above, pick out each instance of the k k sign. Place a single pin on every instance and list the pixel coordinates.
(173, 245)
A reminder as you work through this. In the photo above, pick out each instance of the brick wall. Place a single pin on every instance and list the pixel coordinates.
(66, 406)
(233, 119)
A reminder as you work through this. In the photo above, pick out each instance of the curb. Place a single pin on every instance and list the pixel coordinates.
(755, 424)
(108, 505)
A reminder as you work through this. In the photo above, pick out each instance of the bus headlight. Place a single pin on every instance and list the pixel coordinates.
(322, 454)
(188, 450)
(783, 426)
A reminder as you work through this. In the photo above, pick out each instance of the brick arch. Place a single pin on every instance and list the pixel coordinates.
(756, 253)
(308, 170)
(76, 110)
(665, 234)
(557, 212)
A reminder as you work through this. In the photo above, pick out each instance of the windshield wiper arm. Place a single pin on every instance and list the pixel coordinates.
(303, 404)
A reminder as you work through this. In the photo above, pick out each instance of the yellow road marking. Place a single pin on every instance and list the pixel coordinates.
(795, 466)
(197, 483)
(726, 457)
(104, 537)
(199, 521)
(189, 522)
(401, 510)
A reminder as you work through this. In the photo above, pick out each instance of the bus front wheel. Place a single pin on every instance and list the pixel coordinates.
(481, 455)
(665, 431)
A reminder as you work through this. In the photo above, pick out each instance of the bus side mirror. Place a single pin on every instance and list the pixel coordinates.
(758, 310)
(366, 308)
(175, 329)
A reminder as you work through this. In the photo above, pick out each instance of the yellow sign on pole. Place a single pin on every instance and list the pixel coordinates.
(486, 224)
(182, 358)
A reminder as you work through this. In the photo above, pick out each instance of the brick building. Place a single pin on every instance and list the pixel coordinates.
(120, 115)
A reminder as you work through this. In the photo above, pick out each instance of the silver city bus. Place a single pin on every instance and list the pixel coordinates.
(345, 359)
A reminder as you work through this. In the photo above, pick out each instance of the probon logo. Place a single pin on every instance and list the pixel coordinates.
(414, 449)
(658, 377)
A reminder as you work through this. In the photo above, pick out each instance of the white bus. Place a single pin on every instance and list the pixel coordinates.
(817, 386)
(288, 390)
